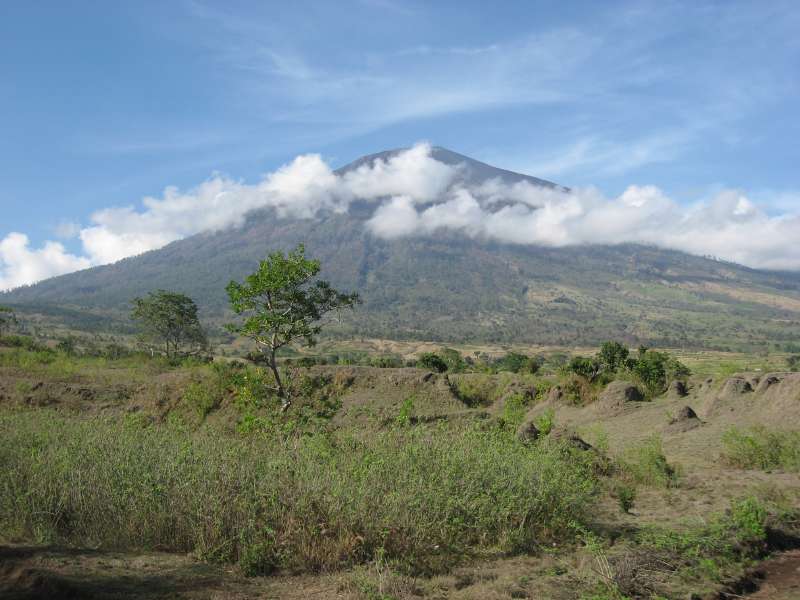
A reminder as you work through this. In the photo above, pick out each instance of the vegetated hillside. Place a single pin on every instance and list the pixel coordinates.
(452, 288)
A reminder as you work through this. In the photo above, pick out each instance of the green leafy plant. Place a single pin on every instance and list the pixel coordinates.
(432, 361)
(284, 303)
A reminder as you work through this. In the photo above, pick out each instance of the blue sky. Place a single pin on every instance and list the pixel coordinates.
(102, 104)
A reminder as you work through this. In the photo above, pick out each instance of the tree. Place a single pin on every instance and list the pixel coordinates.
(585, 367)
(169, 321)
(283, 304)
(613, 356)
(432, 361)
(7, 318)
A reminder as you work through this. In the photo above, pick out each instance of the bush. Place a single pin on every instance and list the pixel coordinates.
(515, 362)
(646, 465)
(321, 501)
(432, 361)
(387, 362)
(760, 448)
(588, 368)
(793, 362)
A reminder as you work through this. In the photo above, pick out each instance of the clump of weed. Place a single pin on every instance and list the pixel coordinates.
(405, 413)
(625, 494)
(646, 464)
(545, 421)
(760, 448)
(201, 397)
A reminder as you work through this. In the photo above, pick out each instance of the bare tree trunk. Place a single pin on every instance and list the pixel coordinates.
(273, 365)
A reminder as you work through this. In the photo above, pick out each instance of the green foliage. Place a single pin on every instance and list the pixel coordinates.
(432, 361)
(625, 493)
(406, 412)
(761, 448)
(516, 362)
(646, 464)
(283, 304)
(307, 503)
(793, 362)
(514, 410)
(588, 368)
(613, 356)
(735, 537)
(169, 321)
(202, 397)
(655, 370)
(387, 362)
(453, 359)
(545, 421)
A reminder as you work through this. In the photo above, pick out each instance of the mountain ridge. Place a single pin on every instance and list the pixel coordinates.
(450, 288)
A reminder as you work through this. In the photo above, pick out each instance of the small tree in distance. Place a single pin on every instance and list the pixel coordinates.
(283, 304)
(169, 321)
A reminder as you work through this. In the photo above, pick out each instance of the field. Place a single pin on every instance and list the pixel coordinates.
(129, 477)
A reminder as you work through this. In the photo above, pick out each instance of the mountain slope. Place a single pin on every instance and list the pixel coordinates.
(453, 288)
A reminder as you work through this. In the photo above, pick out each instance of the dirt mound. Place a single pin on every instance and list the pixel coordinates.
(735, 386)
(527, 431)
(617, 396)
(685, 420)
(372, 394)
(678, 389)
(570, 437)
(773, 398)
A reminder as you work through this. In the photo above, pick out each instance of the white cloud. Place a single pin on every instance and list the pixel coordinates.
(20, 265)
(414, 194)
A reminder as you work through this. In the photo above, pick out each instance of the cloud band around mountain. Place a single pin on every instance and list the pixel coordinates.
(416, 195)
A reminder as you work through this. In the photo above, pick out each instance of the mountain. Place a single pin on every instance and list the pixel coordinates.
(450, 288)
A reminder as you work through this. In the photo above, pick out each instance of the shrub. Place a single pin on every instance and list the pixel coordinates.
(588, 368)
(518, 363)
(477, 389)
(646, 465)
(545, 421)
(625, 494)
(760, 448)
(514, 410)
(793, 362)
(314, 502)
(613, 356)
(387, 362)
(202, 397)
(432, 361)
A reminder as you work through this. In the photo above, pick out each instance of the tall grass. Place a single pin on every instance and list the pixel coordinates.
(761, 448)
(423, 498)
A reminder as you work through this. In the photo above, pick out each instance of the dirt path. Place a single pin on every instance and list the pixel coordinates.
(781, 578)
